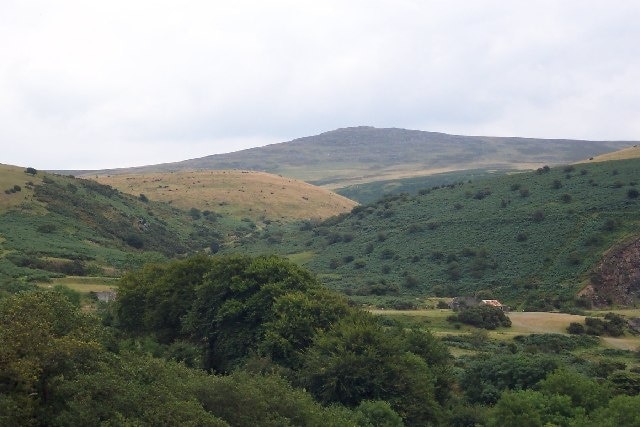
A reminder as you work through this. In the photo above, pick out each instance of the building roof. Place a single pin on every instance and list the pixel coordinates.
(492, 302)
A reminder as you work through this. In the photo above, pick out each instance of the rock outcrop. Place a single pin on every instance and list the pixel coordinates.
(616, 278)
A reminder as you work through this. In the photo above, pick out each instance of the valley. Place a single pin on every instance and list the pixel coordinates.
(310, 294)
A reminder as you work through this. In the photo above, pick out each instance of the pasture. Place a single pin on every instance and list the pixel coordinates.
(523, 323)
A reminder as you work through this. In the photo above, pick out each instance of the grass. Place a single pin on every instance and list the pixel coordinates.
(301, 258)
(625, 153)
(523, 323)
(10, 176)
(242, 194)
(84, 285)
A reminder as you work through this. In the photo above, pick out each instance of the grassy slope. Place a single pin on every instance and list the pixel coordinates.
(625, 153)
(64, 225)
(372, 191)
(454, 241)
(365, 154)
(11, 176)
(255, 195)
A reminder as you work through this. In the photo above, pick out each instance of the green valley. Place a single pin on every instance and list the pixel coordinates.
(531, 238)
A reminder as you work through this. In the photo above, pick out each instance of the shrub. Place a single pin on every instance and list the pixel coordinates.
(565, 198)
(521, 237)
(524, 192)
(483, 316)
(143, 198)
(576, 328)
(632, 193)
(30, 171)
(360, 263)
(556, 184)
(195, 213)
(537, 216)
(46, 228)
(134, 241)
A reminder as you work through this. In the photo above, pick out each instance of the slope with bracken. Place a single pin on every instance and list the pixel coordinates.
(52, 225)
(531, 238)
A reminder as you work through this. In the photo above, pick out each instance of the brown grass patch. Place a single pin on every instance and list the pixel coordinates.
(14, 175)
(625, 153)
(255, 195)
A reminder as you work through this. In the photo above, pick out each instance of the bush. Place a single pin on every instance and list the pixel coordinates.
(632, 193)
(565, 198)
(483, 316)
(537, 216)
(30, 171)
(576, 328)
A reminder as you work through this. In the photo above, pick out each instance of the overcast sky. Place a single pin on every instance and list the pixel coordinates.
(98, 84)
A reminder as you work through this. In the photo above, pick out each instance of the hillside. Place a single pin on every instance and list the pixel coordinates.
(364, 154)
(531, 238)
(243, 194)
(59, 225)
(625, 153)
(369, 192)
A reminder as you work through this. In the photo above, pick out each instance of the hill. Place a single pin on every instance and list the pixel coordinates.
(364, 154)
(371, 191)
(52, 226)
(243, 194)
(531, 238)
(626, 153)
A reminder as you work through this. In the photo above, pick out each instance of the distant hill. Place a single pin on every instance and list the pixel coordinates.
(532, 238)
(625, 153)
(364, 154)
(243, 194)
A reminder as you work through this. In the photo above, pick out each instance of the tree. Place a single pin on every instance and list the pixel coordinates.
(486, 378)
(242, 307)
(359, 360)
(584, 392)
(528, 408)
(30, 171)
(42, 337)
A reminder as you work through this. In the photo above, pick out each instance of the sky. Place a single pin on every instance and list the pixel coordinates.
(103, 84)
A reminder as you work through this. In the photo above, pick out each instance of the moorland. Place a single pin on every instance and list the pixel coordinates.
(237, 308)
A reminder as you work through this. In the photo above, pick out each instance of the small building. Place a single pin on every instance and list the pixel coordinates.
(460, 303)
(494, 303)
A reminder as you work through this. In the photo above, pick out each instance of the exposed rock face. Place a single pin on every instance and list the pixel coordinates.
(616, 279)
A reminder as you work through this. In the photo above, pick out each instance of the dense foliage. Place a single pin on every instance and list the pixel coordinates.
(279, 350)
